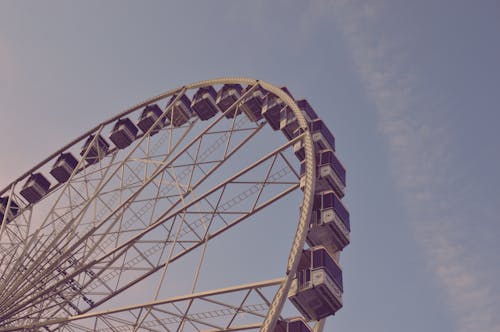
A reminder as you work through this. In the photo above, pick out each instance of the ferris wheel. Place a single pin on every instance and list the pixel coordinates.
(168, 217)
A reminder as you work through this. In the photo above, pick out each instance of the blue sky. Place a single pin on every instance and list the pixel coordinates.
(410, 89)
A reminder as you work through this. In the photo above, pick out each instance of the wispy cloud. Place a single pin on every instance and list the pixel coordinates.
(421, 161)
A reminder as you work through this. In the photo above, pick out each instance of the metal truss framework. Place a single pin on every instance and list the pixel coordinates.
(130, 218)
(233, 313)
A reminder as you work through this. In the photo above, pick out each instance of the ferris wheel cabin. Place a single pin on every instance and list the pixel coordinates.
(321, 135)
(123, 133)
(203, 103)
(9, 213)
(329, 224)
(149, 116)
(252, 105)
(289, 124)
(35, 188)
(272, 107)
(317, 289)
(226, 97)
(292, 325)
(97, 148)
(307, 110)
(64, 167)
(330, 173)
(180, 112)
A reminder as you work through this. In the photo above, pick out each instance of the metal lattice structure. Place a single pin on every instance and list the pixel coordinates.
(121, 239)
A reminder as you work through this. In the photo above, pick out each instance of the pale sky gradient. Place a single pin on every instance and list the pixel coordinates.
(410, 89)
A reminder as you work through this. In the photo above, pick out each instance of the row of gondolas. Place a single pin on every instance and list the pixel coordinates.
(317, 288)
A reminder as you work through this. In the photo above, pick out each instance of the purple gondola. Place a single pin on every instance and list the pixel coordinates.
(289, 124)
(149, 116)
(9, 214)
(64, 167)
(180, 112)
(296, 324)
(272, 108)
(307, 110)
(203, 103)
(330, 173)
(35, 188)
(226, 97)
(252, 105)
(321, 135)
(317, 289)
(124, 133)
(329, 225)
(97, 149)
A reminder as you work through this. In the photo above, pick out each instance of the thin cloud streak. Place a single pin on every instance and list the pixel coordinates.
(420, 160)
